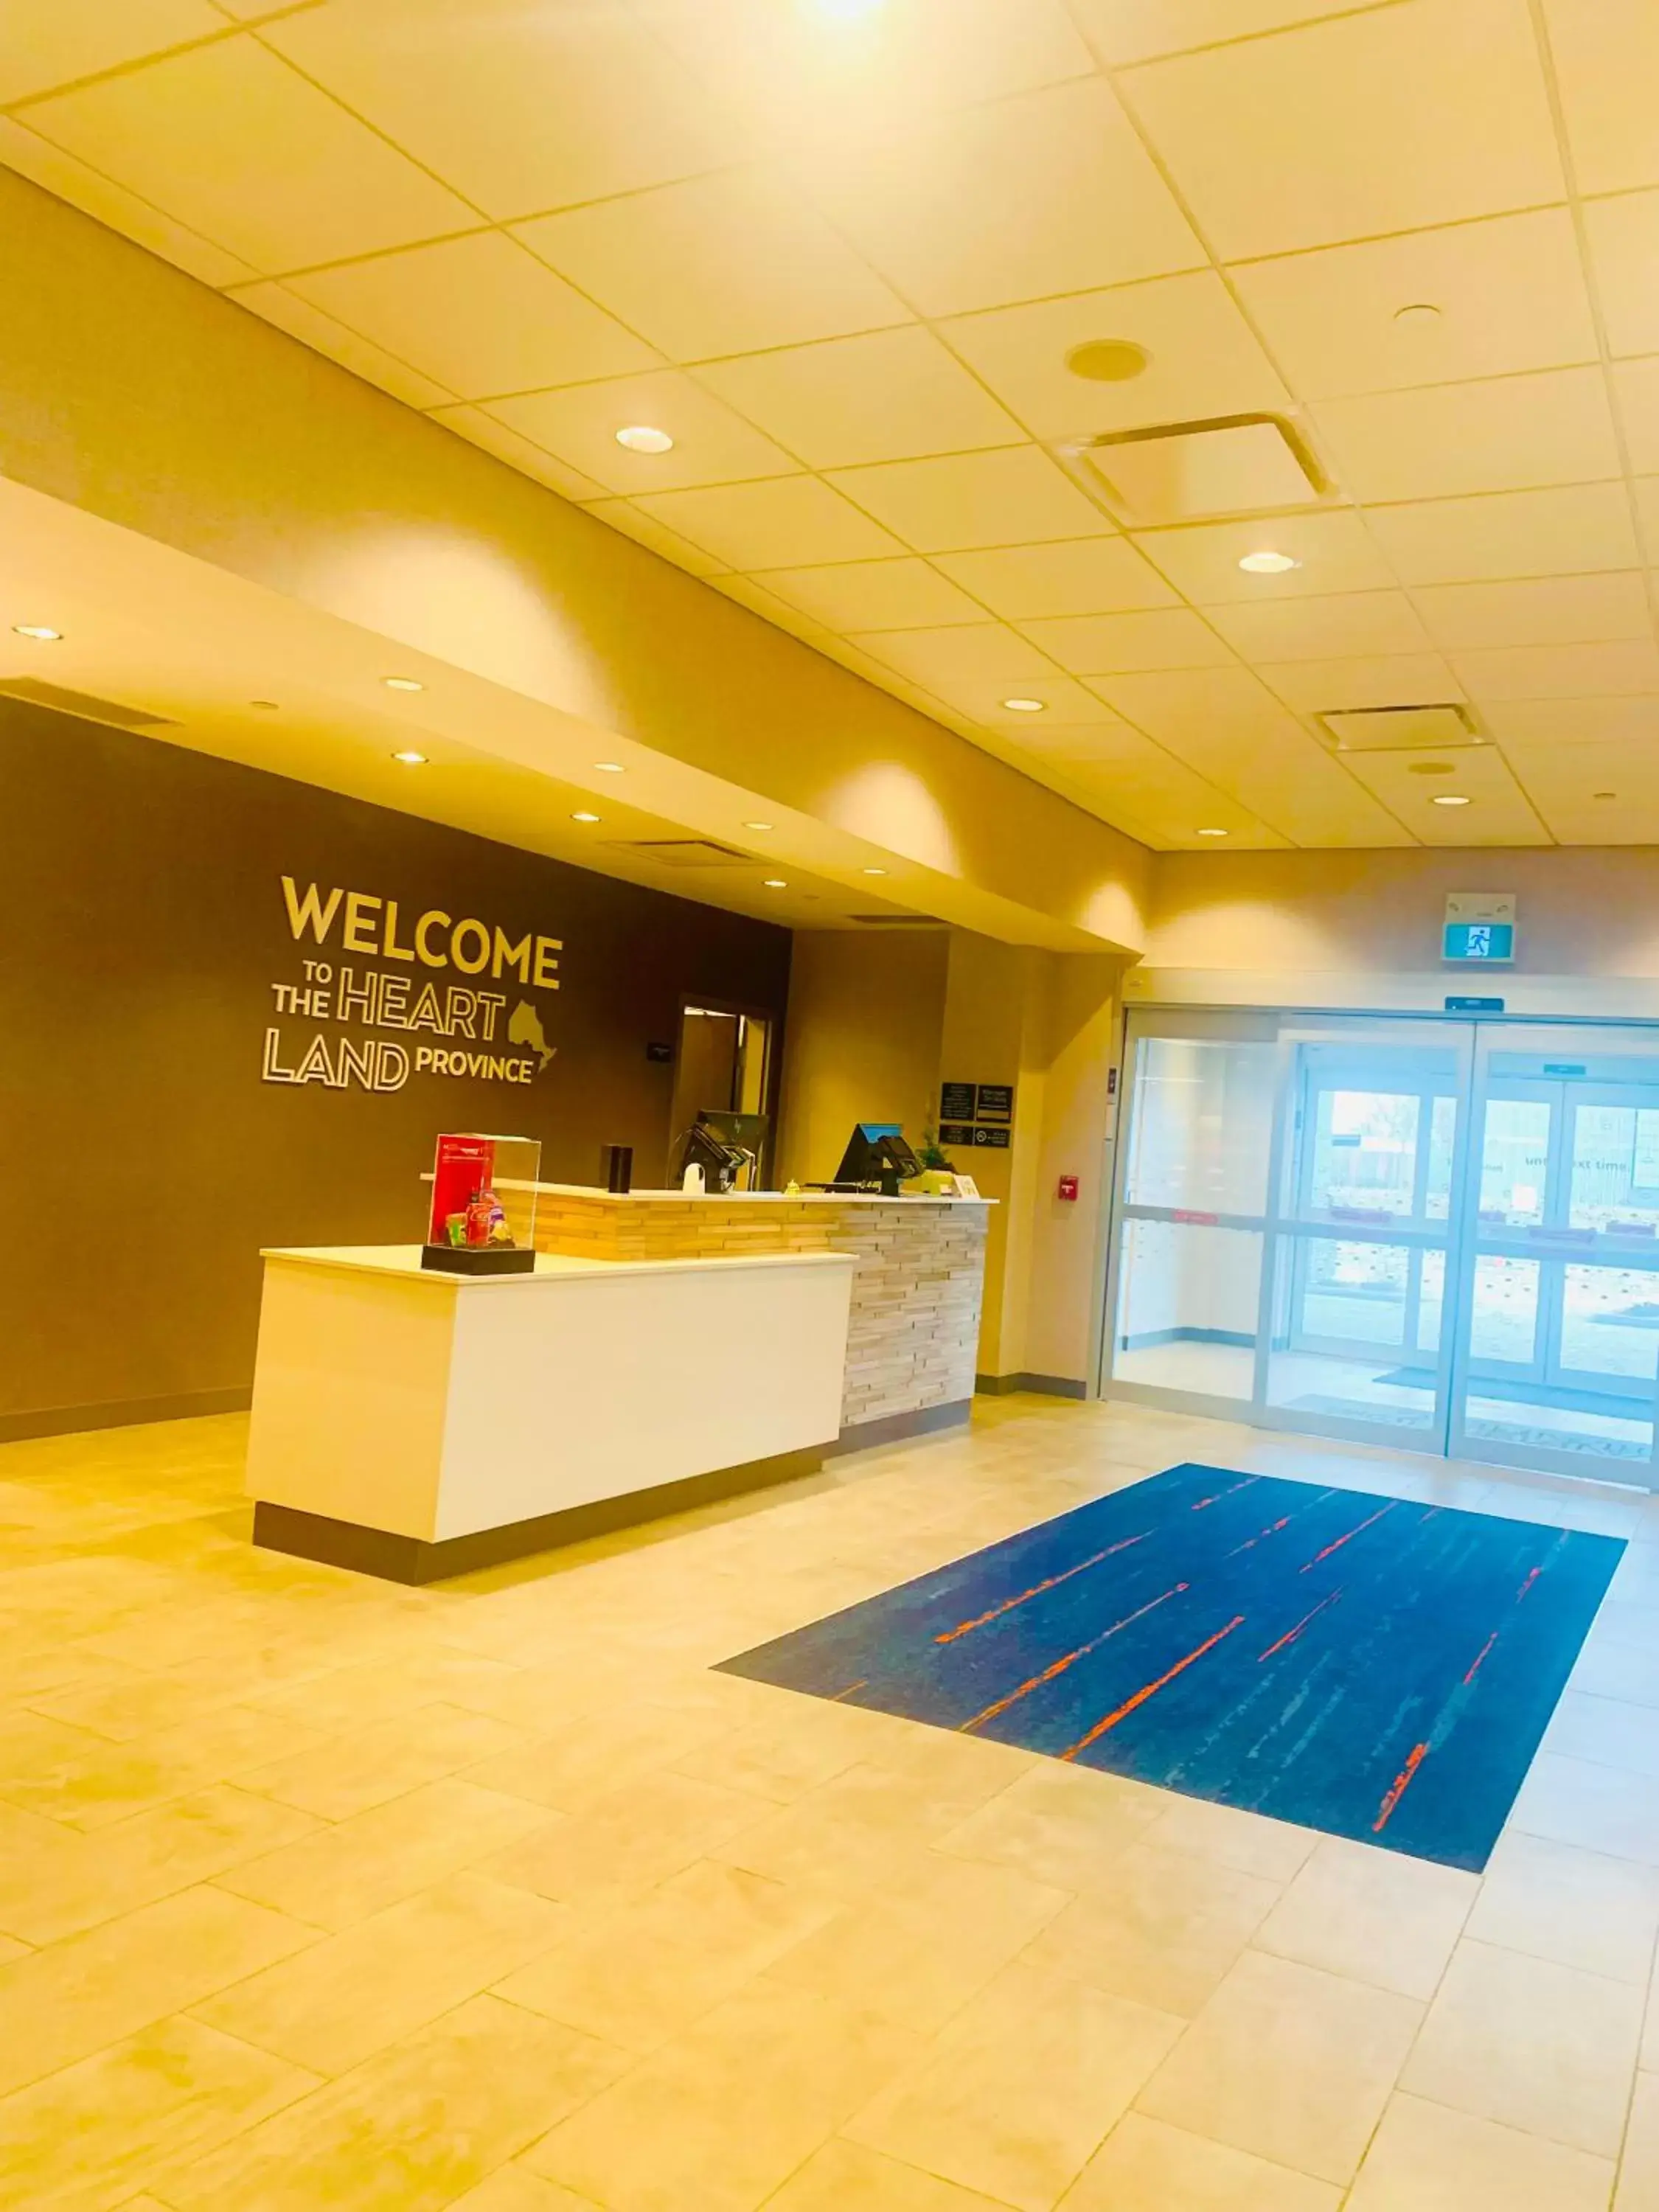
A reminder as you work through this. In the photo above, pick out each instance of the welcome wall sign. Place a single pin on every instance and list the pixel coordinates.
(440, 1027)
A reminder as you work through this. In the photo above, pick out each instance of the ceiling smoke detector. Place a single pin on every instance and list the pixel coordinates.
(1108, 360)
(1199, 471)
(1401, 729)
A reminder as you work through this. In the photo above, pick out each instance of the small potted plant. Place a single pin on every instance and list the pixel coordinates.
(937, 1177)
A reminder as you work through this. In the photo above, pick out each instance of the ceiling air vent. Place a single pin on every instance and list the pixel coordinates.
(1401, 729)
(688, 852)
(1194, 471)
(31, 692)
(896, 921)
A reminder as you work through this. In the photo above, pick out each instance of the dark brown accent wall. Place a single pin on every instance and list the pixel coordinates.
(144, 1162)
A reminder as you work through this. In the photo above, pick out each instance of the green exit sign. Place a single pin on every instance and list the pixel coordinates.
(1478, 940)
(1480, 927)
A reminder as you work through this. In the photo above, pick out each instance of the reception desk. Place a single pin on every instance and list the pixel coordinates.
(917, 1280)
(415, 1424)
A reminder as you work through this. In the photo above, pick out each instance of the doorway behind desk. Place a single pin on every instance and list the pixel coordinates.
(723, 1066)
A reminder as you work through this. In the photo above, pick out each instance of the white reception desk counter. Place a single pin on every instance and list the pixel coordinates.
(414, 1423)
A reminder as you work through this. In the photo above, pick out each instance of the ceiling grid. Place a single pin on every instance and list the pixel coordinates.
(841, 254)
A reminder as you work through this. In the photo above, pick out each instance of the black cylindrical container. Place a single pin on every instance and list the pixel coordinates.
(619, 1168)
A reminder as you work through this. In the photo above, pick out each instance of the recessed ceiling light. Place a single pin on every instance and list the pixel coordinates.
(1025, 706)
(645, 438)
(1108, 360)
(584, 817)
(875, 871)
(1267, 564)
(38, 631)
(1417, 314)
(411, 759)
(757, 825)
(1449, 799)
(776, 884)
(1213, 833)
(403, 683)
(609, 768)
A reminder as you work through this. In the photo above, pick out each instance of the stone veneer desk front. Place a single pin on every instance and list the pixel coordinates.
(917, 1280)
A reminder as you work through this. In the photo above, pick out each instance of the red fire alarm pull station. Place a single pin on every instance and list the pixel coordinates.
(1069, 1186)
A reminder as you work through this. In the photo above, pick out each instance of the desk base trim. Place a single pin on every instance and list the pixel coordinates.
(894, 1428)
(411, 1559)
(1041, 1386)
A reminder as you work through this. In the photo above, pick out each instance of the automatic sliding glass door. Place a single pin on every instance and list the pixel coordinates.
(1439, 1235)
(1559, 1365)
(1351, 1341)
(1284, 1207)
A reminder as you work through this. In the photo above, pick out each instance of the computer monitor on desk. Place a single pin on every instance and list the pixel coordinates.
(876, 1158)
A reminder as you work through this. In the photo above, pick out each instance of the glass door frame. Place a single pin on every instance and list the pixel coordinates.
(1571, 1046)
(1284, 1221)
(1464, 1240)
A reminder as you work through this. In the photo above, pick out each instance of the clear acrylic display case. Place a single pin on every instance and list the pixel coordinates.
(482, 1220)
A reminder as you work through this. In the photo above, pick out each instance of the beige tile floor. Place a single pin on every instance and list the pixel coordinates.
(317, 1892)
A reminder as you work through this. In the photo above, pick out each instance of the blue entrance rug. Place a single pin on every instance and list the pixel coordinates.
(1376, 1667)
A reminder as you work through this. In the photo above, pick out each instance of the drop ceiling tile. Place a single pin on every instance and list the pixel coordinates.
(230, 140)
(788, 522)
(874, 595)
(54, 42)
(1575, 530)
(1226, 705)
(1606, 54)
(531, 460)
(1510, 295)
(1645, 492)
(720, 264)
(478, 314)
(1081, 576)
(1505, 434)
(1593, 794)
(1145, 789)
(1049, 193)
(1322, 628)
(1627, 667)
(1544, 610)
(1636, 387)
(1535, 724)
(1623, 253)
(522, 109)
(712, 444)
(1123, 31)
(1498, 812)
(646, 530)
(1287, 779)
(1334, 550)
(1068, 705)
(1017, 497)
(973, 652)
(1203, 360)
(800, 73)
(888, 396)
(755, 595)
(84, 187)
(1113, 644)
(276, 303)
(1344, 683)
(1300, 139)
